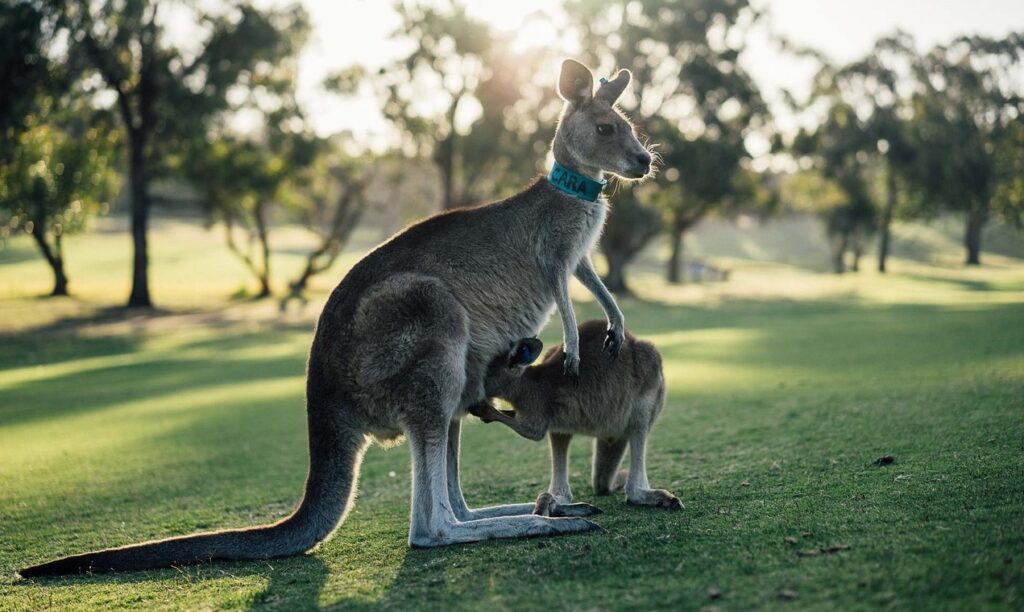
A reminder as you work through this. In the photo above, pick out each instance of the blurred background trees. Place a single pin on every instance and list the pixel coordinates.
(59, 171)
(461, 99)
(690, 95)
(200, 102)
(968, 113)
(122, 47)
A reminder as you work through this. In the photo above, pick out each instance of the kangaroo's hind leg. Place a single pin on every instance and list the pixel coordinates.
(638, 490)
(433, 522)
(458, 502)
(559, 486)
(414, 337)
(608, 454)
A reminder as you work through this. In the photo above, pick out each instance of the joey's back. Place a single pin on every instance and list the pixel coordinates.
(604, 403)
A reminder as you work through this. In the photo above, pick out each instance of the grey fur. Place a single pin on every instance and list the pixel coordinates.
(616, 401)
(403, 344)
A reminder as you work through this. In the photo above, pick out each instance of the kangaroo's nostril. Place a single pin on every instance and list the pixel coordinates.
(644, 159)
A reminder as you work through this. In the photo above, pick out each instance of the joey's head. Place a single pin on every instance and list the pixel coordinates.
(592, 136)
(505, 369)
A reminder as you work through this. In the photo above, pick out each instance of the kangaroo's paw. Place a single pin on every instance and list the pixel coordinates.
(659, 498)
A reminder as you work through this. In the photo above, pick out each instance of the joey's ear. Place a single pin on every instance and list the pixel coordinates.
(576, 83)
(610, 91)
(525, 352)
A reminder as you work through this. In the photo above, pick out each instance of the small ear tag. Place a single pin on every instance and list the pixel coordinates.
(603, 80)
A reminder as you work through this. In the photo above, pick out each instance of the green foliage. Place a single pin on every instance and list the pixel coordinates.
(462, 99)
(690, 95)
(863, 136)
(166, 95)
(60, 170)
(1008, 199)
(965, 113)
(26, 33)
(58, 175)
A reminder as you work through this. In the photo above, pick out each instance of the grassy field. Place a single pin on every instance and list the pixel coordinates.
(785, 386)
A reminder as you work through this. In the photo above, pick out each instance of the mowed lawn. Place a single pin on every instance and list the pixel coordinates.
(785, 386)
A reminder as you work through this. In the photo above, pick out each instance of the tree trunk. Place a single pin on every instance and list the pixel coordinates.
(839, 253)
(972, 235)
(444, 156)
(54, 258)
(675, 273)
(262, 233)
(886, 220)
(139, 297)
(615, 280)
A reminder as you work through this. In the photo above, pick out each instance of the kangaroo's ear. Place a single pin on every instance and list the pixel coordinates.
(610, 91)
(576, 83)
(525, 352)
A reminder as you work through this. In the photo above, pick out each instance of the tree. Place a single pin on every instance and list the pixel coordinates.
(59, 172)
(164, 94)
(464, 100)
(56, 152)
(879, 86)
(26, 41)
(965, 114)
(692, 97)
(839, 149)
(235, 179)
(632, 223)
(329, 199)
(1008, 199)
(244, 174)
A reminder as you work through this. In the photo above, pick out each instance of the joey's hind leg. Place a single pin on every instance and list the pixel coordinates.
(608, 454)
(559, 486)
(638, 490)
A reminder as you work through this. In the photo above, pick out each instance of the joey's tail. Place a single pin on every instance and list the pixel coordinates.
(335, 454)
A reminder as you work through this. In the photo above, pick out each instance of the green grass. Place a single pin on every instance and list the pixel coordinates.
(784, 387)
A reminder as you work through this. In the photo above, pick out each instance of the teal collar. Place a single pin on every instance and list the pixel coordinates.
(575, 184)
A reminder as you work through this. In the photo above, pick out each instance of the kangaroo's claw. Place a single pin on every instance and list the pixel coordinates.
(613, 341)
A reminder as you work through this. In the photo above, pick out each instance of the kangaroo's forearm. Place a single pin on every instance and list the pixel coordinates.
(587, 275)
(569, 331)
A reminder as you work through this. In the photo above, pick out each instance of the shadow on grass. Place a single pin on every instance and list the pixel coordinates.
(293, 583)
(108, 387)
(961, 283)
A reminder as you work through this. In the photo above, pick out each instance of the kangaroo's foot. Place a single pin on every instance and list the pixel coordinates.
(659, 498)
(502, 527)
(547, 505)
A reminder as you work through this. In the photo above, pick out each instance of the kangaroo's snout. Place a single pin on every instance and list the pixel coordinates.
(643, 164)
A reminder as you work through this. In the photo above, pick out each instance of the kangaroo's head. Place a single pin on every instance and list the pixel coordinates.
(506, 368)
(592, 136)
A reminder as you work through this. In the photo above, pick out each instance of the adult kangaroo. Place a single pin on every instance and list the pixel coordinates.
(403, 344)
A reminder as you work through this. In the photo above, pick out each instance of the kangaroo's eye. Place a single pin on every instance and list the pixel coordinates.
(605, 129)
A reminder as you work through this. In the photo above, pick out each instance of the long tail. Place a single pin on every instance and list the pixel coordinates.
(335, 452)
